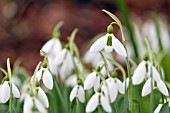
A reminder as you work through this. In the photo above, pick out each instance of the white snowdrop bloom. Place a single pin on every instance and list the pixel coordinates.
(16, 80)
(160, 84)
(52, 47)
(143, 71)
(112, 87)
(42, 97)
(108, 42)
(24, 91)
(0, 92)
(78, 92)
(95, 59)
(157, 110)
(97, 99)
(31, 103)
(5, 92)
(46, 76)
(92, 80)
(71, 80)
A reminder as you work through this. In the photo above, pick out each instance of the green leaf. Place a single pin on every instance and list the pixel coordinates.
(165, 108)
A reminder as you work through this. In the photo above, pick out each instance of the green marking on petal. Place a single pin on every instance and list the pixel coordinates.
(109, 41)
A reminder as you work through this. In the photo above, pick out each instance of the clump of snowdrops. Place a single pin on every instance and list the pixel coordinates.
(64, 82)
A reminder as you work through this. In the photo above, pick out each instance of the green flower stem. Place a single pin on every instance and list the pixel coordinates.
(105, 63)
(10, 79)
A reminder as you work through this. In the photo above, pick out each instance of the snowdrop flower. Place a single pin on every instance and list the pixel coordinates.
(111, 88)
(71, 80)
(33, 105)
(78, 92)
(5, 92)
(143, 71)
(109, 42)
(52, 47)
(46, 76)
(97, 99)
(95, 59)
(92, 80)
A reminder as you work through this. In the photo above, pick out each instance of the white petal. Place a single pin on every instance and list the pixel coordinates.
(56, 47)
(93, 103)
(120, 86)
(60, 57)
(89, 81)
(106, 92)
(5, 92)
(40, 106)
(162, 87)
(139, 73)
(42, 97)
(81, 94)
(28, 104)
(73, 93)
(157, 110)
(0, 92)
(97, 83)
(119, 48)
(47, 79)
(71, 80)
(108, 49)
(146, 88)
(113, 91)
(15, 91)
(39, 74)
(105, 104)
(47, 47)
(99, 44)
(156, 75)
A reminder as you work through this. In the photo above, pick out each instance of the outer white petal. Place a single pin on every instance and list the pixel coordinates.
(40, 106)
(105, 104)
(47, 46)
(93, 103)
(113, 91)
(119, 48)
(39, 74)
(60, 57)
(97, 83)
(156, 75)
(106, 92)
(69, 61)
(5, 92)
(71, 80)
(146, 88)
(0, 92)
(47, 79)
(157, 110)
(28, 104)
(139, 73)
(15, 91)
(120, 86)
(56, 47)
(99, 44)
(162, 87)
(108, 49)
(81, 94)
(73, 93)
(42, 97)
(90, 81)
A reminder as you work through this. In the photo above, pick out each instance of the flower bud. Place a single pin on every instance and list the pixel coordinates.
(110, 29)
(114, 74)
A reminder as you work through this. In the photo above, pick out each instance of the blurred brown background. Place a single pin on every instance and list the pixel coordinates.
(25, 25)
